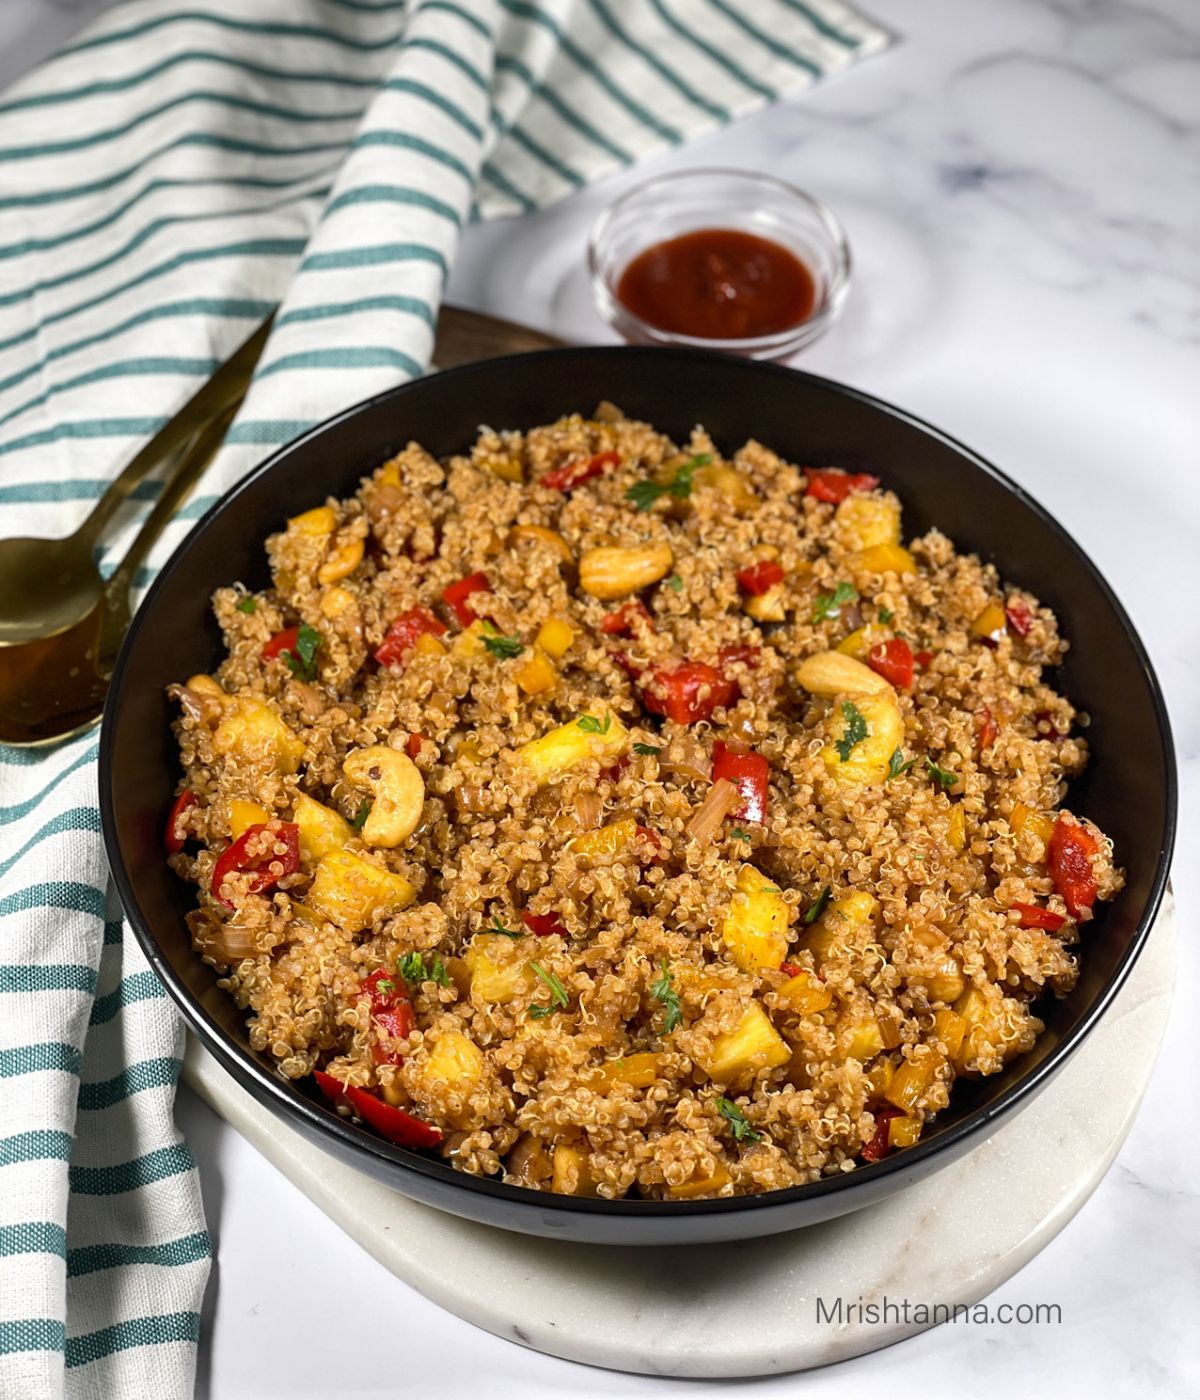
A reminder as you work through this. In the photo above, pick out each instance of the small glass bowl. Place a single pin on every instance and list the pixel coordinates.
(670, 205)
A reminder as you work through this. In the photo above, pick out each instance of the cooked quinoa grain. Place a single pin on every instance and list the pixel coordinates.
(620, 818)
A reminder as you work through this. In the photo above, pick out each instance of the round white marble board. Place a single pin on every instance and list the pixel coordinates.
(749, 1308)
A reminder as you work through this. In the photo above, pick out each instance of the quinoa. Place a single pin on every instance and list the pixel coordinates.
(792, 861)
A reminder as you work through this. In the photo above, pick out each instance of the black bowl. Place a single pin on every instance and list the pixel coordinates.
(1129, 789)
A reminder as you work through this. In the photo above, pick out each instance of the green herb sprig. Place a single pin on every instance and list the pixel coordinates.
(738, 1123)
(829, 605)
(358, 820)
(643, 494)
(898, 764)
(662, 990)
(501, 647)
(856, 730)
(591, 725)
(248, 604)
(413, 968)
(302, 661)
(651, 750)
(942, 776)
(817, 907)
(497, 927)
(558, 993)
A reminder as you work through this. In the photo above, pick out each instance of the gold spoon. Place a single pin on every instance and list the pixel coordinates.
(61, 625)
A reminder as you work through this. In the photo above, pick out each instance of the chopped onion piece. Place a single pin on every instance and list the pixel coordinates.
(686, 757)
(723, 798)
(588, 806)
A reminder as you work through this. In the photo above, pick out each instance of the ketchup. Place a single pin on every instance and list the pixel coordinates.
(718, 284)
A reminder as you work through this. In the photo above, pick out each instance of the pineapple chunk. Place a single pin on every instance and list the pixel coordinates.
(991, 623)
(997, 1028)
(429, 645)
(912, 1081)
(598, 735)
(756, 923)
(839, 926)
(609, 840)
(639, 1071)
(859, 1037)
(469, 642)
(949, 1027)
(859, 642)
(321, 520)
(555, 637)
(867, 761)
(805, 994)
(243, 815)
(1023, 818)
(253, 733)
(861, 522)
(321, 828)
(753, 1044)
(886, 559)
(880, 1076)
(454, 1060)
(497, 971)
(705, 1186)
(730, 483)
(352, 893)
(571, 1176)
(956, 829)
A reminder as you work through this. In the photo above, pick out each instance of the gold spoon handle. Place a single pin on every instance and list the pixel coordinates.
(226, 388)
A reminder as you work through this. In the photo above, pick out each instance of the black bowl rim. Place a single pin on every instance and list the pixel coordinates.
(281, 1093)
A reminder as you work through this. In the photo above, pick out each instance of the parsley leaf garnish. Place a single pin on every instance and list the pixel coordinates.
(558, 993)
(248, 604)
(643, 494)
(886, 615)
(653, 750)
(856, 730)
(898, 764)
(302, 662)
(385, 985)
(817, 907)
(503, 648)
(358, 820)
(942, 776)
(591, 725)
(497, 927)
(675, 583)
(733, 1115)
(829, 605)
(739, 835)
(413, 968)
(661, 990)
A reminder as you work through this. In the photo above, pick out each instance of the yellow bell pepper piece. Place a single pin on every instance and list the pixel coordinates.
(1023, 818)
(639, 1071)
(990, 624)
(608, 840)
(705, 1186)
(536, 674)
(956, 830)
(904, 1131)
(429, 645)
(243, 815)
(805, 994)
(886, 559)
(570, 1176)
(555, 637)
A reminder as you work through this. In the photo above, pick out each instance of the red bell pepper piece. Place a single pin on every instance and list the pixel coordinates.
(281, 642)
(251, 853)
(829, 484)
(1034, 916)
(457, 594)
(739, 651)
(749, 773)
(627, 620)
(613, 772)
(1069, 855)
(412, 745)
(893, 660)
(923, 658)
(573, 474)
(1020, 616)
(688, 692)
(652, 840)
(758, 578)
(879, 1146)
(391, 1011)
(989, 730)
(175, 835)
(402, 635)
(392, 1123)
(543, 925)
(791, 969)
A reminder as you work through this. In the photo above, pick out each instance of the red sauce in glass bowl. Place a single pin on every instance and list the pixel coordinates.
(718, 284)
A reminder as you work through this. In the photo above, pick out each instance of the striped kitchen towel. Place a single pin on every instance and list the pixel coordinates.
(166, 181)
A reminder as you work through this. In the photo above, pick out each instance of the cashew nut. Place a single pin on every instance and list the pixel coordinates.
(397, 789)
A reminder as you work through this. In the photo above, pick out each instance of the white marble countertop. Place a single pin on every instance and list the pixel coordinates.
(1018, 179)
